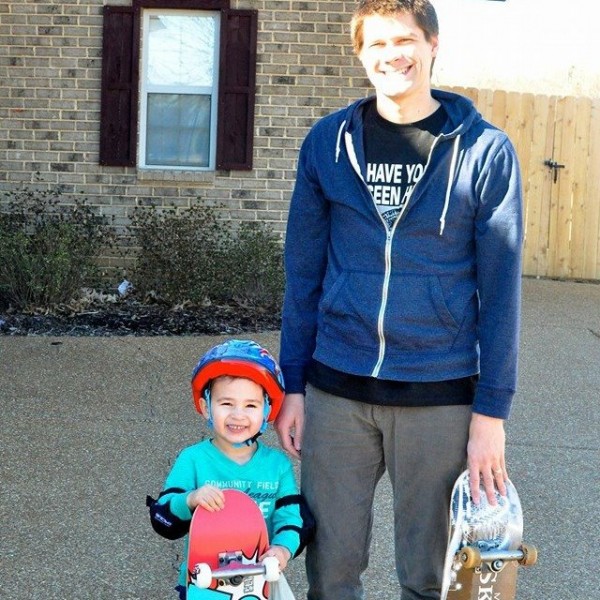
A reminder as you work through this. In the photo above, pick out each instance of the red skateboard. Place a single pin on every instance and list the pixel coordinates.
(224, 548)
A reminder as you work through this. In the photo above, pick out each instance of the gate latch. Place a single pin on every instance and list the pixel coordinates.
(552, 164)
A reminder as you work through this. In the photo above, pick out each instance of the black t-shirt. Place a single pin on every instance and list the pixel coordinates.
(396, 156)
(392, 393)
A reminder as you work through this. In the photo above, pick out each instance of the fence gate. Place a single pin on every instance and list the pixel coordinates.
(558, 143)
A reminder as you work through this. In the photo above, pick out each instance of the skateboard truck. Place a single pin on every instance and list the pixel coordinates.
(234, 570)
(472, 558)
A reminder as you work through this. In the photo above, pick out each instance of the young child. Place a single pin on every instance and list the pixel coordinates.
(238, 387)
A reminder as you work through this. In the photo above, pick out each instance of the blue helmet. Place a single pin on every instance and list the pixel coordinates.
(240, 358)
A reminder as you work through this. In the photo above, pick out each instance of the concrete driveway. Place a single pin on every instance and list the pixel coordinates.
(89, 426)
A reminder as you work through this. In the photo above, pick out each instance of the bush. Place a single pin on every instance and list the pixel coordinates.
(48, 252)
(254, 266)
(195, 257)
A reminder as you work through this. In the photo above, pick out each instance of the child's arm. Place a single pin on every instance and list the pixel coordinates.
(165, 521)
(292, 523)
(169, 514)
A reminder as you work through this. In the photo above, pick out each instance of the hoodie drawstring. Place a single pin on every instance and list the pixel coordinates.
(450, 174)
(338, 141)
(449, 186)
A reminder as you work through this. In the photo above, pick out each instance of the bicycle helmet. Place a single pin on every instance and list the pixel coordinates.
(240, 358)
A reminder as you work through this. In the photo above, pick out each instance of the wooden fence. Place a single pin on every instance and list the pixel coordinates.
(558, 143)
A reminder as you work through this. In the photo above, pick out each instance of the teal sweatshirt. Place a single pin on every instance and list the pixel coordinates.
(266, 477)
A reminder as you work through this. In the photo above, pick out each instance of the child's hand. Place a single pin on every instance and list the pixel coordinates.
(282, 555)
(208, 497)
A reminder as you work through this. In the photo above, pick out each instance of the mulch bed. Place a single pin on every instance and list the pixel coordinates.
(129, 317)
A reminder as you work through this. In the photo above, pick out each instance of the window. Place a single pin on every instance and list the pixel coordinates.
(179, 89)
(178, 85)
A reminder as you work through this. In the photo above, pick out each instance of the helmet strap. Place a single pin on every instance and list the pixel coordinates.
(249, 441)
(266, 413)
(209, 418)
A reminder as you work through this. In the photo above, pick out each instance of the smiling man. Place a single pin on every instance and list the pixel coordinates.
(400, 328)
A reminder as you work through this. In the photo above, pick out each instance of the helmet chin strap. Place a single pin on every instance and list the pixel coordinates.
(209, 419)
(249, 441)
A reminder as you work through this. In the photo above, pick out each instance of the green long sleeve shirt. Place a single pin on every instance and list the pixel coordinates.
(266, 477)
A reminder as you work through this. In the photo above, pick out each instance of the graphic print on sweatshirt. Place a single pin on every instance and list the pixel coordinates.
(396, 156)
(263, 492)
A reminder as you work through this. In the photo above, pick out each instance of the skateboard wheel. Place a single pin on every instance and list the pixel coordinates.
(470, 557)
(271, 565)
(202, 576)
(530, 555)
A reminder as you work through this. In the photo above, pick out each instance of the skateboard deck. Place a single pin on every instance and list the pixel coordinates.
(485, 545)
(223, 551)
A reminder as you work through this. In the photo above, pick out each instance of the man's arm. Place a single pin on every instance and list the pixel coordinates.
(499, 241)
(307, 239)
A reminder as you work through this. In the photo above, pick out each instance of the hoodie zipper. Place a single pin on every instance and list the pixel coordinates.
(390, 232)
(384, 300)
(388, 271)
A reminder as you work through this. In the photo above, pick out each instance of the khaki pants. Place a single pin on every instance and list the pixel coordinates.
(347, 446)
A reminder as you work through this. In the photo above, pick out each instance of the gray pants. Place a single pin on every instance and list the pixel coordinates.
(346, 448)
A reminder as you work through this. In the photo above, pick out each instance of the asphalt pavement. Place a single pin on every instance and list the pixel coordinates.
(89, 426)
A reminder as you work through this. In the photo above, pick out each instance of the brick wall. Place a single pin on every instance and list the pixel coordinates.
(50, 67)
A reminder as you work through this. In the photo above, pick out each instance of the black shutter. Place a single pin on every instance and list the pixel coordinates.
(118, 113)
(237, 89)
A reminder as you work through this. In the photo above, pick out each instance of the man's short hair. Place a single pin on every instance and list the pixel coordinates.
(422, 10)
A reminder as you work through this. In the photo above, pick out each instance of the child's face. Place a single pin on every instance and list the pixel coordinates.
(237, 407)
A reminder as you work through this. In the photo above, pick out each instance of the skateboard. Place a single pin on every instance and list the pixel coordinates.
(223, 551)
(485, 546)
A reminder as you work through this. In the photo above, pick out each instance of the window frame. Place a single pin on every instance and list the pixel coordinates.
(146, 89)
(119, 112)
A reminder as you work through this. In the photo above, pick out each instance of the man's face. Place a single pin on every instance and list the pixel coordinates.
(396, 56)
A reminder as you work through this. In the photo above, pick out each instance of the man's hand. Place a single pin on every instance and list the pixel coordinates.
(485, 453)
(289, 424)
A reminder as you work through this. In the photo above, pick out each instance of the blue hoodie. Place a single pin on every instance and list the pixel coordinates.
(437, 296)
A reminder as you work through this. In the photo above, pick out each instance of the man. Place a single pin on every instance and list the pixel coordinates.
(401, 313)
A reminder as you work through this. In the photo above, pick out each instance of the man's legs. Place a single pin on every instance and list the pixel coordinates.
(425, 451)
(342, 461)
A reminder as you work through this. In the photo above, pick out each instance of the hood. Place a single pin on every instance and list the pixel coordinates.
(462, 116)
(461, 111)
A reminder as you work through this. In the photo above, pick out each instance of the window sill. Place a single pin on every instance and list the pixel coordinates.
(177, 175)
